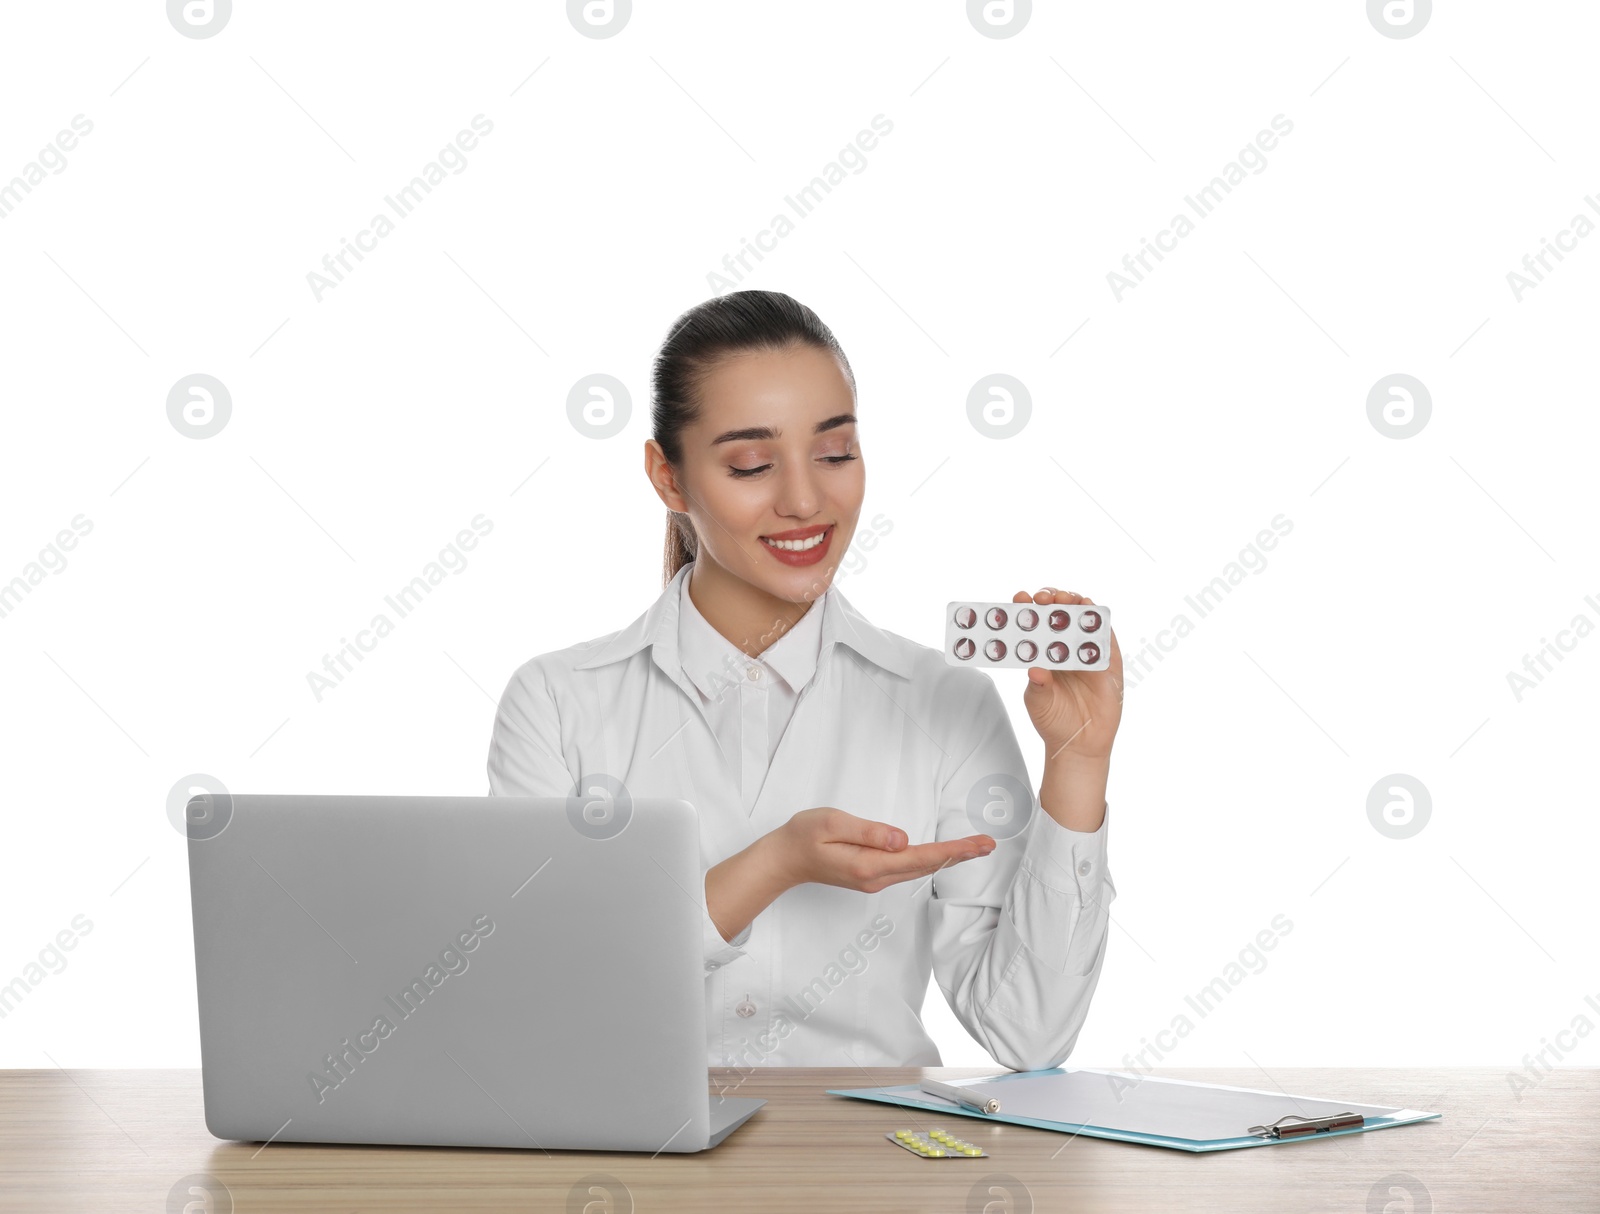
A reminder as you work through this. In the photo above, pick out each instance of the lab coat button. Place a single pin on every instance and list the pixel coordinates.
(754, 672)
(1084, 868)
(711, 965)
(746, 1009)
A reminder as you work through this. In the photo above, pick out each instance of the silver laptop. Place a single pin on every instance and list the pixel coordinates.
(453, 971)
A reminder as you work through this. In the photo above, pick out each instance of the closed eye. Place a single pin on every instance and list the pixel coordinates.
(835, 460)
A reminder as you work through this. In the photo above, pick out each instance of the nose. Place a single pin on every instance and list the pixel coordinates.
(798, 496)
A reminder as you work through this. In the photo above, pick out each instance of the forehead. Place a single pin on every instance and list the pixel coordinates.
(798, 379)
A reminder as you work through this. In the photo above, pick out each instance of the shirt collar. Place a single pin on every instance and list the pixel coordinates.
(839, 624)
(711, 660)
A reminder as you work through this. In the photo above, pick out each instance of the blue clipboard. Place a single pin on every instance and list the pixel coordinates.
(1176, 1113)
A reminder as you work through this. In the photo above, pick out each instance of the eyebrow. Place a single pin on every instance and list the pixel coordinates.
(765, 433)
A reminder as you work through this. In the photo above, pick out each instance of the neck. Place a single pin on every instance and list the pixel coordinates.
(747, 616)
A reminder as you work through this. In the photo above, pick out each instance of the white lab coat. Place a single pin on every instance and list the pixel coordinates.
(886, 730)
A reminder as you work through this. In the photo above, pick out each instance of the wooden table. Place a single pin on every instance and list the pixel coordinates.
(124, 1140)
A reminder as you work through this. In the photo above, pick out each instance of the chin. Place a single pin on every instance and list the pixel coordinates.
(801, 585)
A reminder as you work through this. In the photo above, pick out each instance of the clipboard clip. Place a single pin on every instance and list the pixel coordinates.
(1307, 1125)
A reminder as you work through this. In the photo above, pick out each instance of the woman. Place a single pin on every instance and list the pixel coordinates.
(840, 771)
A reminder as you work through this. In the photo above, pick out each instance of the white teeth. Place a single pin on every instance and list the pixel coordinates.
(797, 545)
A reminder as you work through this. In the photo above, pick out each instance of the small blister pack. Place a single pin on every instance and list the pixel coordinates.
(935, 1144)
(1055, 636)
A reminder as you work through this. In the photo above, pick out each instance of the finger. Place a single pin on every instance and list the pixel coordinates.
(930, 857)
(847, 828)
(896, 875)
(898, 878)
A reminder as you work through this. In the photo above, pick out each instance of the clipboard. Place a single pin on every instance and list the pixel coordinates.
(1176, 1113)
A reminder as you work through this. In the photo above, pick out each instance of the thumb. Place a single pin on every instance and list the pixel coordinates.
(867, 833)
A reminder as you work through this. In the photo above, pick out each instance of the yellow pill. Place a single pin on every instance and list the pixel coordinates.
(936, 1152)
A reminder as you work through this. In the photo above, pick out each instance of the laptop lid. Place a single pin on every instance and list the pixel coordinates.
(461, 971)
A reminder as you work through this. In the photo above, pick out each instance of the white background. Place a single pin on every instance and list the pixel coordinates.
(1228, 388)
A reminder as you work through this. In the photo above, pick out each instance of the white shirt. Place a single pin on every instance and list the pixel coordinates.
(883, 728)
(747, 701)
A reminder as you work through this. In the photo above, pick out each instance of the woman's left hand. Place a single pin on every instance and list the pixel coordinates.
(1075, 711)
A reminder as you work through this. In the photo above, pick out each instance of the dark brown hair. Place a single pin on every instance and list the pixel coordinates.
(726, 324)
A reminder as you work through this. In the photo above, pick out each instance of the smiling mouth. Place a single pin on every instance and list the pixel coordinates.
(803, 544)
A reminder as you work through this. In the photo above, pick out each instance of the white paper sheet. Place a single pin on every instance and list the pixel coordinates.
(1171, 1108)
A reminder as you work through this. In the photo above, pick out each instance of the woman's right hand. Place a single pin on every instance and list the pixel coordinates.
(831, 847)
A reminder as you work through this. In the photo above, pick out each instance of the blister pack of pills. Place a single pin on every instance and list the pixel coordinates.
(936, 1144)
(1019, 635)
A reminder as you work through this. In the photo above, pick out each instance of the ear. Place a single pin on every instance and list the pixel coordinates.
(662, 479)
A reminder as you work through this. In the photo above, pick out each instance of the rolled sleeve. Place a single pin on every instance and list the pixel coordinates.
(1018, 936)
(720, 952)
(1063, 877)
